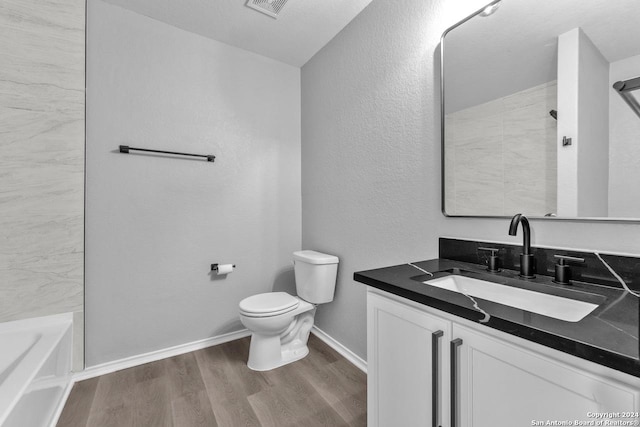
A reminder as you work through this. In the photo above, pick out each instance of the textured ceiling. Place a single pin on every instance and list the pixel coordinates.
(302, 28)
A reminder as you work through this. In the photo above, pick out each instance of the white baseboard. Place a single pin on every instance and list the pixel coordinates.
(129, 362)
(341, 349)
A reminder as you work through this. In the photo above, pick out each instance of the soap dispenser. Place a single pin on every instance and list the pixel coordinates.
(563, 269)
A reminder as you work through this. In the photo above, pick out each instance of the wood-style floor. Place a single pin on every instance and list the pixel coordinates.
(214, 387)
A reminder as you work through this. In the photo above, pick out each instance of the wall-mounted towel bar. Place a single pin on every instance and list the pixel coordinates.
(126, 149)
(626, 86)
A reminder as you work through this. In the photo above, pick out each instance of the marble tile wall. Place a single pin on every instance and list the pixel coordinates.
(500, 156)
(42, 160)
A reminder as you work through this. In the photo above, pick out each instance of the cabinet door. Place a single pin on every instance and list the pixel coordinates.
(501, 385)
(400, 348)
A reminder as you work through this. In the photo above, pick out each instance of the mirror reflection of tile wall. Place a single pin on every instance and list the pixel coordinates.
(500, 156)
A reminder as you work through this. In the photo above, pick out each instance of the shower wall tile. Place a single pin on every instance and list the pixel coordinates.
(480, 186)
(42, 160)
(500, 157)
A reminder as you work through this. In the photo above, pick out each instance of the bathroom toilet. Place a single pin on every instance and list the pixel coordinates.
(279, 322)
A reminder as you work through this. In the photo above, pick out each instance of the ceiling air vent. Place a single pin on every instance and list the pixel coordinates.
(268, 7)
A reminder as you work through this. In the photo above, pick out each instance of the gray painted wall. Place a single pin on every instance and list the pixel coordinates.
(42, 161)
(371, 158)
(624, 150)
(593, 130)
(154, 224)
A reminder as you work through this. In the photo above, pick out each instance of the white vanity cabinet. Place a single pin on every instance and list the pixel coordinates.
(401, 344)
(500, 384)
(498, 380)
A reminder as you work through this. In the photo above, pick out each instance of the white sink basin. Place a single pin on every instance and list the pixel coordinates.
(549, 305)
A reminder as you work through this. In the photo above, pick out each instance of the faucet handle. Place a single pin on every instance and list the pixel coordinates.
(562, 259)
(492, 250)
(563, 270)
(493, 263)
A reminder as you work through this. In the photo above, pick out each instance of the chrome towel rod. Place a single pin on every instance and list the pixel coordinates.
(126, 149)
(626, 86)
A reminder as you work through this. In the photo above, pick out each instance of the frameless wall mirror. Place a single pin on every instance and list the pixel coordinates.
(540, 111)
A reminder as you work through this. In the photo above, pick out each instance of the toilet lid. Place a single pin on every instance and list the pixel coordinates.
(268, 304)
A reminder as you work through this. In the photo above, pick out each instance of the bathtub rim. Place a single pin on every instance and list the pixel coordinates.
(53, 328)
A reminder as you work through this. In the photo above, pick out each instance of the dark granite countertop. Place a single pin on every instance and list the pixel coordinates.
(607, 336)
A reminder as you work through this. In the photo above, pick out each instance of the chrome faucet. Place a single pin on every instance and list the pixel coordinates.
(526, 257)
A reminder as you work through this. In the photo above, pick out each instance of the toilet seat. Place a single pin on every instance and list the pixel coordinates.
(268, 304)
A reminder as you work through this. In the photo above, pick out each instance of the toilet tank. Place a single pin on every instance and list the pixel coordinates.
(315, 276)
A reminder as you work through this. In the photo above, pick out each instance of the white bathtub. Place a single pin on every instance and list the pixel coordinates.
(35, 369)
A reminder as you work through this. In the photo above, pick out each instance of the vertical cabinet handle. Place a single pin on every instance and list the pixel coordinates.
(434, 376)
(454, 379)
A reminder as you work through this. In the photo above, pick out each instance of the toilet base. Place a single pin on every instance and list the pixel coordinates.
(258, 361)
(295, 354)
(271, 352)
(264, 352)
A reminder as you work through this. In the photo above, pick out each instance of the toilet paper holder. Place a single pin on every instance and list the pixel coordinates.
(214, 267)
